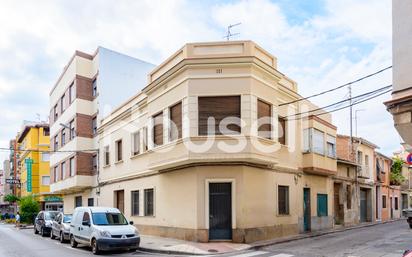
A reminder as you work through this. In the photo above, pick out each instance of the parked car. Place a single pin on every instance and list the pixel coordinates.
(61, 227)
(407, 253)
(102, 228)
(43, 222)
(408, 214)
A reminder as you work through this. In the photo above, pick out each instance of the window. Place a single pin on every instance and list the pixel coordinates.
(383, 201)
(119, 150)
(264, 115)
(72, 132)
(45, 180)
(359, 157)
(348, 172)
(63, 137)
(148, 202)
(94, 125)
(56, 143)
(56, 114)
(175, 122)
(135, 143)
(144, 146)
(348, 197)
(396, 203)
(78, 201)
(94, 88)
(46, 132)
(331, 146)
(94, 162)
(90, 202)
(366, 160)
(56, 173)
(135, 203)
(282, 130)
(86, 217)
(318, 142)
(322, 205)
(62, 105)
(106, 155)
(63, 170)
(158, 129)
(225, 110)
(306, 140)
(71, 162)
(283, 200)
(45, 157)
(71, 93)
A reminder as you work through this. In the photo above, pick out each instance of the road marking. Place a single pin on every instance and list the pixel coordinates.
(251, 254)
(282, 255)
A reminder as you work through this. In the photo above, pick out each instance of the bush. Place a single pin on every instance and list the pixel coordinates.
(396, 177)
(11, 198)
(29, 208)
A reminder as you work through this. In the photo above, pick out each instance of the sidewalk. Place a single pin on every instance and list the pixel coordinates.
(173, 246)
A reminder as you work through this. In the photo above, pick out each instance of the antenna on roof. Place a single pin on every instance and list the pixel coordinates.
(229, 34)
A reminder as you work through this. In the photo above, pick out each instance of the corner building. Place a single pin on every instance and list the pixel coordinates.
(230, 187)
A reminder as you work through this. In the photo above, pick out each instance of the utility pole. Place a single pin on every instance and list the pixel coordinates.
(351, 113)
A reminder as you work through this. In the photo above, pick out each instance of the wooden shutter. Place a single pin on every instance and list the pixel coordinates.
(176, 122)
(282, 131)
(158, 129)
(264, 112)
(219, 108)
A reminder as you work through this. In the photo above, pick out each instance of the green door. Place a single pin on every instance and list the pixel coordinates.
(306, 209)
(322, 205)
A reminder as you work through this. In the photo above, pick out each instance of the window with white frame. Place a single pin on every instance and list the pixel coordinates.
(306, 140)
(45, 180)
(45, 157)
(331, 146)
(106, 155)
(135, 203)
(318, 141)
(149, 202)
(119, 150)
(135, 143)
(71, 164)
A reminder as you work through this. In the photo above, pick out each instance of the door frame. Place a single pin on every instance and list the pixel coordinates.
(307, 189)
(233, 194)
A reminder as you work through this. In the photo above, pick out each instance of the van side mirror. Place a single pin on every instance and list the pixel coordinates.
(131, 222)
(86, 223)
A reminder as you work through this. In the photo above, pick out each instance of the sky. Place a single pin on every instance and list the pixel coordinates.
(319, 43)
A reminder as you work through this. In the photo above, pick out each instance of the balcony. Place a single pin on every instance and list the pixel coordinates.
(363, 171)
(73, 184)
(317, 164)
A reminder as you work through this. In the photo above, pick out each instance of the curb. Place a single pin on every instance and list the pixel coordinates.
(168, 252)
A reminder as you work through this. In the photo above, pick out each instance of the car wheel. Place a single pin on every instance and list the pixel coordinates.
(61, 238)
(73, 242)
(42, 232)
(95, 248)
(52, 235)
(410, 226)
(35, 230)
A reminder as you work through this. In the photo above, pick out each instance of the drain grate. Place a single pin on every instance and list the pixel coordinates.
(212, 251)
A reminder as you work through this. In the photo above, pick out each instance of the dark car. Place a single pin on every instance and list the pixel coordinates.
(43, 222)
(61, 227)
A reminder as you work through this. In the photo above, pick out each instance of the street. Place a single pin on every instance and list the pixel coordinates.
(388, 240)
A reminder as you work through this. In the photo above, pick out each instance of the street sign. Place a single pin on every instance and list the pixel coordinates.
(12, 181)
(29, 163)
(409, 159)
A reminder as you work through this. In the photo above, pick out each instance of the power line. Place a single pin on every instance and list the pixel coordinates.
(342, 101)
(339, 87)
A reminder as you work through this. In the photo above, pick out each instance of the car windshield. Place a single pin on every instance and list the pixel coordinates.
(108, 219)
(67, 218)
(50, 215)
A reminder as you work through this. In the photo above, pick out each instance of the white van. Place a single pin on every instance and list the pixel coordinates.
(102, 228)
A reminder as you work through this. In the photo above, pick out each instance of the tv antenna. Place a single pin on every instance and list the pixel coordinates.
(229, 34)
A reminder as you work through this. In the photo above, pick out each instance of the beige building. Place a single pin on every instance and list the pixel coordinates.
(192, 156)
(400, 106)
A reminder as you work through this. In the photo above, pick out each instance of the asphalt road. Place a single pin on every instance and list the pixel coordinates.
(386, 240)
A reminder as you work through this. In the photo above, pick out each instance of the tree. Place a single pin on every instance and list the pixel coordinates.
(11, 198)
(396, 172)
(29, 208)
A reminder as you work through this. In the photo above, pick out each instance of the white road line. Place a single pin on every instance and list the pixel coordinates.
(251, 254)
(282, 255)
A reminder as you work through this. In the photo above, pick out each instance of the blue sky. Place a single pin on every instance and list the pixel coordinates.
(318, 43)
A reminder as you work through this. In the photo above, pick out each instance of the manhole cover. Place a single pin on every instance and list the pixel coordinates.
(212, 251)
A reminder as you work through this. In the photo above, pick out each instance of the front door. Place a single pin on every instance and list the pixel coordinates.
(363, 206)
(306, 209)
(220, 211)
(120, 200)
(391, 205)
(338, 207)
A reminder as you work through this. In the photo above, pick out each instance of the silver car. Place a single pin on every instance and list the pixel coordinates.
(61, 227)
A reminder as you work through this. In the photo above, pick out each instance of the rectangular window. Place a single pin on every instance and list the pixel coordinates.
(322, 205)
(396, 203)
(56, 113)
(106, 155)
(158, 129)
(45, 157)
(78, 201)
(56, 173)
(175, 122)
(148, 202)
(144, 146)
(71, 163)
(63, 137)
(135, 143)
(94, 162)
(221, 111)
(360, 157)
(119, 150)
(94, 88)
(318, 142)
(366, 160)
(283, 200)
(94, 125)
(306, 140)
(63, 170)
(72, 132)
(56, 143)
(135, 203)
(383, 201)
(331, 146)
(348, 197)
(62, 104)
(90, 202)
(46, 132)
(72, 95)
(264, 115)
(45, 180)
(282, 130)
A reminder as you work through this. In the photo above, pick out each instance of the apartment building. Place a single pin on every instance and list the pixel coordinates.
(206, 151)
(88, 88)
(400, 106)
(406, 186)
(6, 188)
(384, 191)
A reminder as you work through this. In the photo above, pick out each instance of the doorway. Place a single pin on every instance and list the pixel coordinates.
(338, 207)
(363, 205)
(120, 200)
(220, 211)
(306, 209)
